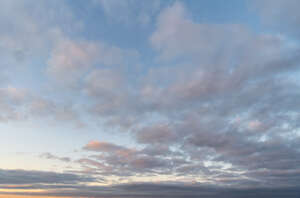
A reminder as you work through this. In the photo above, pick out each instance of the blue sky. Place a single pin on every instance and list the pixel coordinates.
(121, 95)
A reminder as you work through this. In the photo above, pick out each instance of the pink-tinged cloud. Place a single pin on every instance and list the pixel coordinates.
(103, 147)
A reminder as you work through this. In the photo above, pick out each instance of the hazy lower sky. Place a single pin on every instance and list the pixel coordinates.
(150, 98)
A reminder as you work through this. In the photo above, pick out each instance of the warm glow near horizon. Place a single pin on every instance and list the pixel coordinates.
(24, 196)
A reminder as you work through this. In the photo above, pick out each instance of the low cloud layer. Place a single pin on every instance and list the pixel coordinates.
(19, 177)
(144, 190)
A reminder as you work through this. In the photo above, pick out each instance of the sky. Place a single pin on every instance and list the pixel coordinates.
(149, 98)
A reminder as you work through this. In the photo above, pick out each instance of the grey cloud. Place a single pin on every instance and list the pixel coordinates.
(51, 156)
(46, 108)
(279, 14)
(18, 177)
(157, 149)
(217, 61)
(180, 190)
(159, 133)
(230, 104)
(117, 160)
(14, 99)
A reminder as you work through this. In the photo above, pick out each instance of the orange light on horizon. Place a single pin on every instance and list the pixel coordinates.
(15, 193)
(26, 196)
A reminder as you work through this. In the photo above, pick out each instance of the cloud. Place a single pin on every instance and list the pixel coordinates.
(226, 109)
(121, 161)
(129, 11)
(159, 133)
(71, 60)
(280, 15)
(112, 97)
(50, 156)
(178, 36)
(18, 177)
(45, 108)
(152, 190)
(103, 147)
(11, 99)
(19, 104)
(32, 29)
(217, 59)
(102, 82)
(220, 107)
(26, 38)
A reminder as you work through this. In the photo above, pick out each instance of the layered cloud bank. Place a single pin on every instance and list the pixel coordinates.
(36, 183)
(201, 109)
